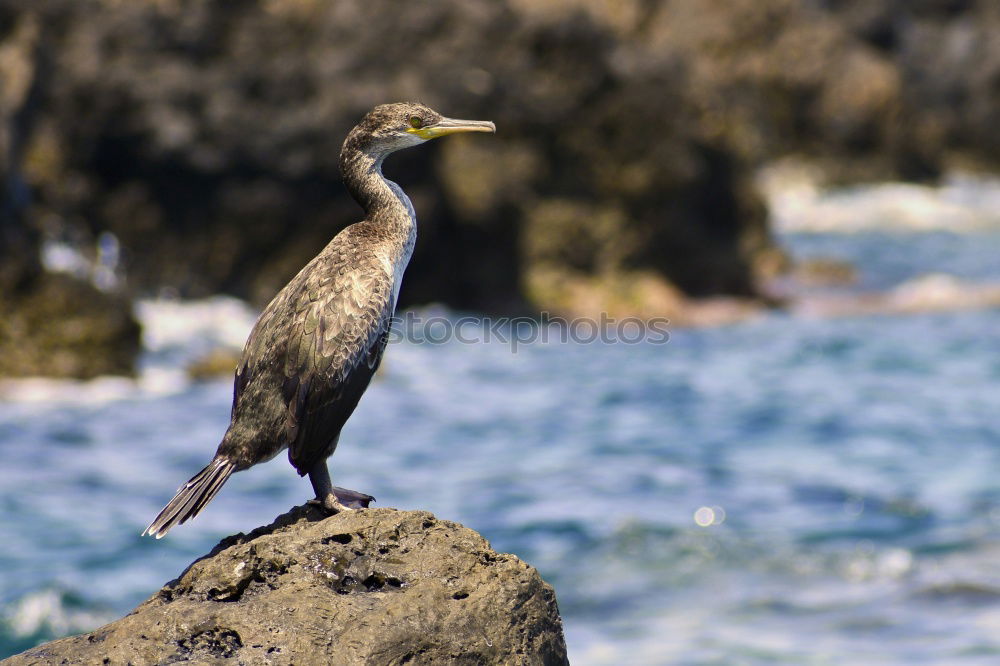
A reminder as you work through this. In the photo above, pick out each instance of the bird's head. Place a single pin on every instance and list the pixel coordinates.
(390, 127)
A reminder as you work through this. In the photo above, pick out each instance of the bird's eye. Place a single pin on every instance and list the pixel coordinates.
(416, 122)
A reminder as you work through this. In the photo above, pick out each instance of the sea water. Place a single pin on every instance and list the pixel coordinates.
(791, 489)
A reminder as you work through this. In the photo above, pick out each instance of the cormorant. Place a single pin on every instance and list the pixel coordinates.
(315, 347)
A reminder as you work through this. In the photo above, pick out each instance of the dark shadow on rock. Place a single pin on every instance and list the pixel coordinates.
(303, 512)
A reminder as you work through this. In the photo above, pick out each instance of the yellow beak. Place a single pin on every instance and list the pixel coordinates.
(447, 126)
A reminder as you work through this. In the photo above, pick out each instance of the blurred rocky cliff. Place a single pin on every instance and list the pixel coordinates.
(202, 137)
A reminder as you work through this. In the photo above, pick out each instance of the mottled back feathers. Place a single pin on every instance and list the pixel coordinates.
(317, 345)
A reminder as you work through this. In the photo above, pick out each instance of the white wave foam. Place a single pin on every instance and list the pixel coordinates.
(100, 265)
(220, 321)
(42, 389)
(962, 203)
(934, 292)
(46, 612)
(153, 382)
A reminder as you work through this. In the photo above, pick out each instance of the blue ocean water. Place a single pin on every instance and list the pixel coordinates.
(786, 490)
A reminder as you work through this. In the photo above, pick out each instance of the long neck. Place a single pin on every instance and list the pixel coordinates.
(384, 201)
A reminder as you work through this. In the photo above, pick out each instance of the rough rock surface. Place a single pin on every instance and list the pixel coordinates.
(378, 586)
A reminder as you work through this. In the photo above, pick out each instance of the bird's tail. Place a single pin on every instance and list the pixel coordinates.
(192, 497)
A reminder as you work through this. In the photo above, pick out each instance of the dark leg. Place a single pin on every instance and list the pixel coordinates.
(332, 498)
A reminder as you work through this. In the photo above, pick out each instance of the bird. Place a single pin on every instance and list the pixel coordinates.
(315, 347)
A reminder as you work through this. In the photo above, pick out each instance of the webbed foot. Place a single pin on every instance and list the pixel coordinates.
(334, 499)
(352, 499)
(342, 499)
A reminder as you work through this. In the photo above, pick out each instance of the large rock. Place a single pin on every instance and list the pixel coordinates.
(55, 325)
(378, 586)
